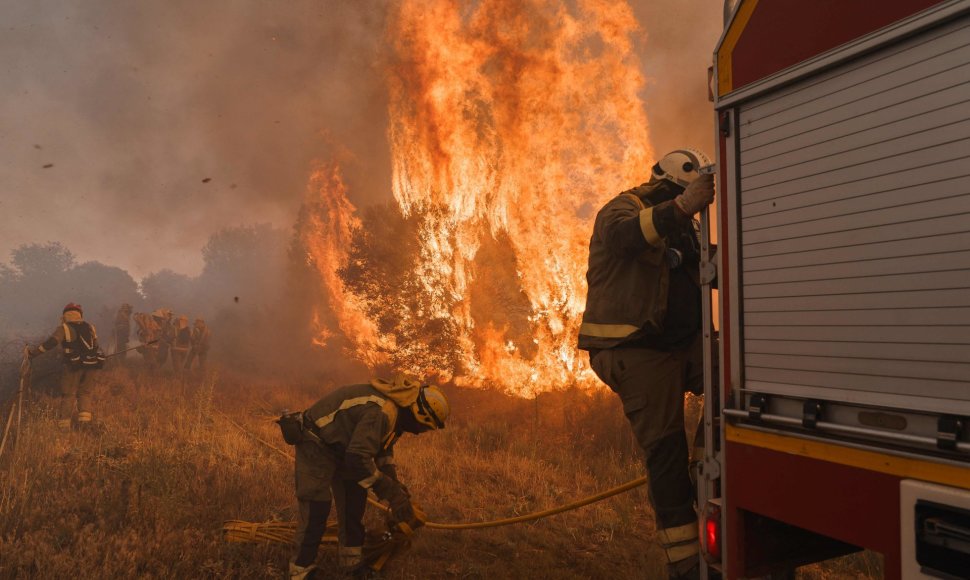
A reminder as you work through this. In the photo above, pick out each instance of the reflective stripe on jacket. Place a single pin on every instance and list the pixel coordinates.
(359, 420)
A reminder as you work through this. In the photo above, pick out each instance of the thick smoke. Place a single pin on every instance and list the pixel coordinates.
(676, 48)
(134, 132)
(165, 121)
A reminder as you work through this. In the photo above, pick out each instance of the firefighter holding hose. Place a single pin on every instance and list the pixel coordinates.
(642, 328)
(78, 340)
(344, 448)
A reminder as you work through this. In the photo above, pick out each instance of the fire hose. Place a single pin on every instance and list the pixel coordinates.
(17, 406)
(283, 532)
(106, 357)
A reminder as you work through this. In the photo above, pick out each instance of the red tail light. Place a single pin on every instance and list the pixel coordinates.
(711, 532)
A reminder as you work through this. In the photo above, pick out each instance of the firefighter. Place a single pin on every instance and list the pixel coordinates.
(642, 328)
(200, 345)
(148, 333)
(166, 334)
(122, 328)
(181, 343)
(78, 340)
(346, 449)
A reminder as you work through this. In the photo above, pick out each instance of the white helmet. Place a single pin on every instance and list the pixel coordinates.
(431, 408)
(680, 166)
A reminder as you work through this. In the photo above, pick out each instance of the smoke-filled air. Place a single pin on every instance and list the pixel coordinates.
(294, 289)
(408, 185)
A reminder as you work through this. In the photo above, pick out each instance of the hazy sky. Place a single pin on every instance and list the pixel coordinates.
(112, 113)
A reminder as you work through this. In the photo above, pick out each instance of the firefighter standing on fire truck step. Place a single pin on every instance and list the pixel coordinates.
(642, 329)
(347, 448)
(78, 340)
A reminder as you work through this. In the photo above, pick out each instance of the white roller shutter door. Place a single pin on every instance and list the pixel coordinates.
(855, 230)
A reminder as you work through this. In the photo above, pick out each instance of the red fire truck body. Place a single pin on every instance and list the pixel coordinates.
(838, 413)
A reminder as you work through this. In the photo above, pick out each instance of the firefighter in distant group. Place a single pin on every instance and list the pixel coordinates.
(166, 334)
(78, 340)
(345, 447)
(642, 328)
(181, 343)
(200, 345)
(148, 333)
(122, 328)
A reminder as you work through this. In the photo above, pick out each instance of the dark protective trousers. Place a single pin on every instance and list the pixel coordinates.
(651, 384)
(318, 482)
(202, 356)
(77, 385)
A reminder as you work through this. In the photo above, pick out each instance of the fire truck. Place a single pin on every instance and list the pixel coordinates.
(837, 415)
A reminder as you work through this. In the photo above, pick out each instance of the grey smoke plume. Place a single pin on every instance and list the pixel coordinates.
(161, 122)
(130, 131)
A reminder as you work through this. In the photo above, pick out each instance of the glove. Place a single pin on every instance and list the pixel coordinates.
(393, 492)
(698, 195)
(407, 527)
(390, 470)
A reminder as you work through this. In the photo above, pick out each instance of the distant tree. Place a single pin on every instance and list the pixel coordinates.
(35, 288)
(42, 278)
(101, 290)
(168, 289)
(39, 260)
(247, 263)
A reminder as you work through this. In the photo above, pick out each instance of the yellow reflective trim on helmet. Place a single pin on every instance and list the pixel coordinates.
(647, 228)
(326, 420)
(607, 330)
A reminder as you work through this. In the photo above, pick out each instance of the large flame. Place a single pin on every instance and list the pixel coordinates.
(328, 222)
(511, 122)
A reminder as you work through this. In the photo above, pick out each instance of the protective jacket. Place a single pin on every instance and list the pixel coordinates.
(631, 252)
(123, 325)
(148, 328)
(200, 338)
(77, 338)
(183, 338)
(359, 423)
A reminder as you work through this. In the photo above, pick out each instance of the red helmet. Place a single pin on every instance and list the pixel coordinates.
(72, 306)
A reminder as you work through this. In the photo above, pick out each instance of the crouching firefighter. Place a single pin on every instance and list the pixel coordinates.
(345, 447)
(78, 340)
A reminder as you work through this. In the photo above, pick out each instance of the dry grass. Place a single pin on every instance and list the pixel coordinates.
(146, 497)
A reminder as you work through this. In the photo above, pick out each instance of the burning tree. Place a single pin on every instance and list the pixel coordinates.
(509, 122)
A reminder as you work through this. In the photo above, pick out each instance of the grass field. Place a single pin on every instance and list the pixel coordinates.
(146, 496)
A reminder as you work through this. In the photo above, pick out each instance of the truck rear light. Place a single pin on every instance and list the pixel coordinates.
(711, 532)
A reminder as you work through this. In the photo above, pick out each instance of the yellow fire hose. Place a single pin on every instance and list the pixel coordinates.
(283, 532)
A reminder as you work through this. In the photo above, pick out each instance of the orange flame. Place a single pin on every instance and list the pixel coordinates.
(511, 122)
(326, 233)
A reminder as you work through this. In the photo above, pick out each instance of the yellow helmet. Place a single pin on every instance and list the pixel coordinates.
(431, 407)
